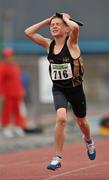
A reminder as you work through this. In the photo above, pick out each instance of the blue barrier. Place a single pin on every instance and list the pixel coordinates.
(88, 46)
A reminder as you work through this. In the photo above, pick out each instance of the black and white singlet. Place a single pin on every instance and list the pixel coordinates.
(61, 67)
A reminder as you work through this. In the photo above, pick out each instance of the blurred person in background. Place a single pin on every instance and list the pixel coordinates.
(66, 71)
(11, 94)
(104, 126)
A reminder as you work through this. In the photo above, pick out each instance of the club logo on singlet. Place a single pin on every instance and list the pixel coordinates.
(61, 71)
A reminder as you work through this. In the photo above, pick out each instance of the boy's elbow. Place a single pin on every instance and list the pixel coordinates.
(26, 32)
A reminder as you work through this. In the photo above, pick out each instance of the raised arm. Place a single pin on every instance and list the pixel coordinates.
(32, 33)
(74, 29)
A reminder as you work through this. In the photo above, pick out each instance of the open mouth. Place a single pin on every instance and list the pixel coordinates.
(54, 30)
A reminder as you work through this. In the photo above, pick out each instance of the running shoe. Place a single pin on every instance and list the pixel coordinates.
(18, 132)
(91, 151)
(8, 133)
(55, 163)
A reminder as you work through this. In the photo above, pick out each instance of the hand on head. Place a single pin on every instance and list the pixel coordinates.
(65, 16)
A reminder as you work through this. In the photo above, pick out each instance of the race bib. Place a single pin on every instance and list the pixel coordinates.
(61, 71)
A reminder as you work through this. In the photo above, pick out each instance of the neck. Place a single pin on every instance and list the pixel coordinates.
(9, 61)
(60, 40)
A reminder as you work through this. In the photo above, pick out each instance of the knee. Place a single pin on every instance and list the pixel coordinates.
(61, 121)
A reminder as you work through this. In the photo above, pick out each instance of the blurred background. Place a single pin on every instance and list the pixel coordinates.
(15, 16)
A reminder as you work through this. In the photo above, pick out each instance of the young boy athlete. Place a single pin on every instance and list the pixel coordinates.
(66, 71)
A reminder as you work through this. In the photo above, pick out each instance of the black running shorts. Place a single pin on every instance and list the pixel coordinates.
(75, 96)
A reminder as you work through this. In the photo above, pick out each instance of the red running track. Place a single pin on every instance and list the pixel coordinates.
(31, 164)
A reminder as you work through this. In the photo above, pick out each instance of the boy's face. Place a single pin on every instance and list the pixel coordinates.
(57, 27)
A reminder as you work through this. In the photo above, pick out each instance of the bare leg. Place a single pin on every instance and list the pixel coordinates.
(84, 126)
(60, 130)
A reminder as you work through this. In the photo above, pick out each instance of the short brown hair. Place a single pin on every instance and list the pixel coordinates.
(58, 15)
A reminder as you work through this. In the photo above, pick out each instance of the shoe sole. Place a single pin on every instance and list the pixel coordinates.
(92, 156)
(51, 167)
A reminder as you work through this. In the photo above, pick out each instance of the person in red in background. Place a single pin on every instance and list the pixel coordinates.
(11, 93)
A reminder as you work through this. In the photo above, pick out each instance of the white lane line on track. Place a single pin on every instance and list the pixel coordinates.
(76, 170)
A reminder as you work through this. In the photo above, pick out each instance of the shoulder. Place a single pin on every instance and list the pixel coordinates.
(16, 66)
(51, 45)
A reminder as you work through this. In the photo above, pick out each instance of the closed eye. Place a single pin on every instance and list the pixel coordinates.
(55, 24)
